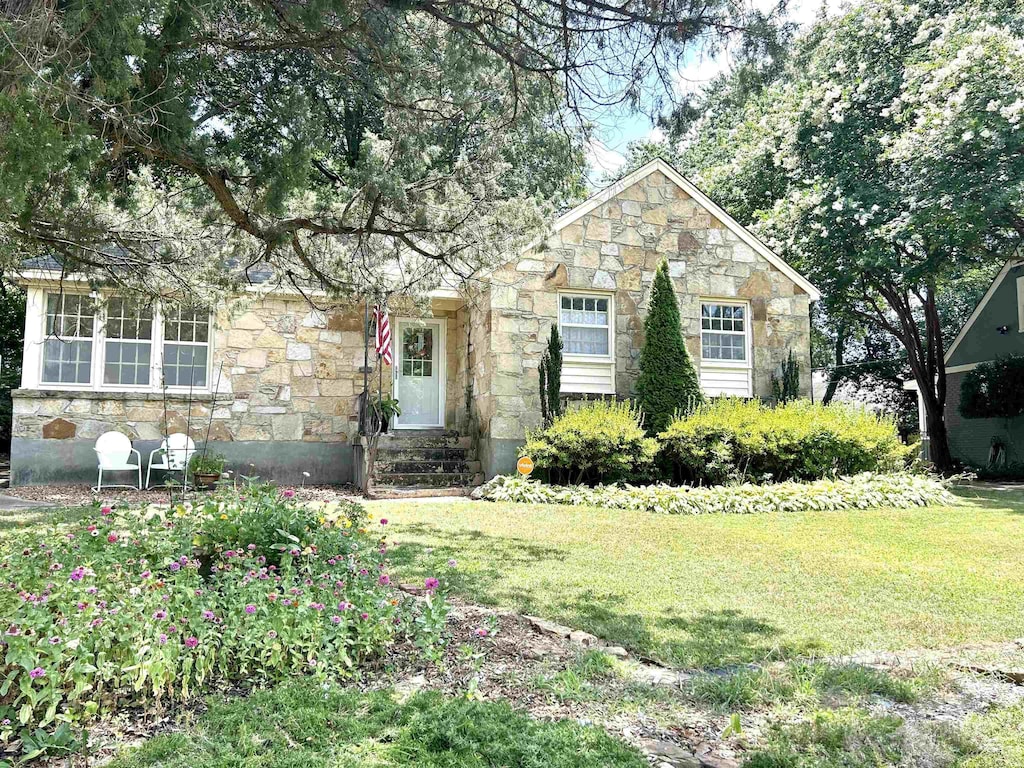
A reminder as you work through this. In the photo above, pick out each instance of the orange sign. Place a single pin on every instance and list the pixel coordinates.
(525, 465)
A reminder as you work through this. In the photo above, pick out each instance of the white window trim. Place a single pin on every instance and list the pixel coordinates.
(35, 338)
(748, 333)
(579, 356)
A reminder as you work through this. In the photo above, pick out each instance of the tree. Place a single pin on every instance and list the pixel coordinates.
(352, 146)
(887, 162)
(12, 337)
(551, 378)
(668, 382)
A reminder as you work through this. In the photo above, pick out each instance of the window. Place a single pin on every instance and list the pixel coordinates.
(186, 346)
(585, 323)
(418, 352)
(116, 343)
(723, 332)
(129, 343)
(67, 348)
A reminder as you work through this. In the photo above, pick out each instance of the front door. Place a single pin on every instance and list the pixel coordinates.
(419, 373)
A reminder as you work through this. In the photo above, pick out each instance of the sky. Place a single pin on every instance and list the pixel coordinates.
(616, 128)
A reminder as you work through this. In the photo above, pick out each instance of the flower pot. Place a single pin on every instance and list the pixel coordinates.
(205, 479)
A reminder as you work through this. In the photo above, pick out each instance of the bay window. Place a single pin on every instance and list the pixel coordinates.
(116, 343)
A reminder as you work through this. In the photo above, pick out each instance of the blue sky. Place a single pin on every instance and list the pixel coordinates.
(615, 128)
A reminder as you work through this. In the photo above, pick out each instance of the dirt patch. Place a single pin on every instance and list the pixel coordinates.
(83, 495)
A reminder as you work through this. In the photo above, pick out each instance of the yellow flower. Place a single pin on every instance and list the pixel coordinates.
(223, 517)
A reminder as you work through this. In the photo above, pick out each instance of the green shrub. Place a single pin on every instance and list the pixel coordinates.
(864, 491)
(156, 604)
(730, 439)
(667, 383)
(596, 441)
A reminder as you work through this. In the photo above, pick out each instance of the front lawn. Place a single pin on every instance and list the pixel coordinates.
(712, 590)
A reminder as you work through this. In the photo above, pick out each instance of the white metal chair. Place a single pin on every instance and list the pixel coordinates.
(175, 451)
(113, 454)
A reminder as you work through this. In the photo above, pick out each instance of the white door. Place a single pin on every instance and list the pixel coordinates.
(419, 373)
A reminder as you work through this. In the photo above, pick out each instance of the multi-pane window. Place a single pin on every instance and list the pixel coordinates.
(585, 323)
(418, 352)
(186, 346)
(129, 342)
(723, 331)
(67, 348)
(123, 343)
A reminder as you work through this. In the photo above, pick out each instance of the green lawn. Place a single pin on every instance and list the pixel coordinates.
(708, 591)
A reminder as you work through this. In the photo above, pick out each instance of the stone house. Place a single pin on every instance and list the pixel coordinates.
(275, 384)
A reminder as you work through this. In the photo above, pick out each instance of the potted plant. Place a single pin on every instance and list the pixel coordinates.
(386, 408)
(206, 469)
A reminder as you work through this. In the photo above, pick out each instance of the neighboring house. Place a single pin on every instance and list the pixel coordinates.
(995, 329)
(277, 383)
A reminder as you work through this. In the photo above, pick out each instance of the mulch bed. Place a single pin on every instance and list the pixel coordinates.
(83, 495)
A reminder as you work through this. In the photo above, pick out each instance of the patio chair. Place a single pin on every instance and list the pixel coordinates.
(175, 452)
(113, 454)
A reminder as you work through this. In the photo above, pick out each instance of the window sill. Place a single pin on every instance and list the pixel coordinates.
(112, 394)
(739, 365)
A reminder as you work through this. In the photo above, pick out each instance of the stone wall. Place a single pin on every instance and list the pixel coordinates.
(617, 248)
(287, 378)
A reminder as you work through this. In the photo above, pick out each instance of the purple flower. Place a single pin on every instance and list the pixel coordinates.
(288, 494)
(145, 574)
(364, 616)
(174, 567)
(160, 615)
(384, 580)
(250, 608)
(162, 639)
(209, 615)
(54, 640)
(191, 642)
(343, 606)
(271, 634)
(335, 619)
(56, 567)
(480, 632)
(95, 622)
(76, 574)
(383, 521)
(452, 563)
(36, 673)
(431, 584)
(183, 560)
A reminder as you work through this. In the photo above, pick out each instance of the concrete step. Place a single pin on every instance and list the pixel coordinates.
(428, 479)
(422, 454)
(405, 439)
(418, 492)
(432, 466)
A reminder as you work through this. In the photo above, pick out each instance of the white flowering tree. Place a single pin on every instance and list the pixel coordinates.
(887, 161)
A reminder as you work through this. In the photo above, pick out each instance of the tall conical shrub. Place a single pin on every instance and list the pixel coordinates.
(551, 377)
(668, 381)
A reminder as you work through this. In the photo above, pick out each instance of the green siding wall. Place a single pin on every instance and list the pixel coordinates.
(983, 342)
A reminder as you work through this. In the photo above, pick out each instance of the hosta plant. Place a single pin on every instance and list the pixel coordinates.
(129, 607)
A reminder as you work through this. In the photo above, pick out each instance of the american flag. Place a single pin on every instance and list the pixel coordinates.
(382, 341)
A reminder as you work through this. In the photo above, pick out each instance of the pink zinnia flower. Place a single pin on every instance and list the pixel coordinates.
(480, 632)
(335, 619)
(364, 616)
(55, 640)
(289, 493)
(112, 538)
(383, 521)
(250, 608)
(452, 563)
(384, 580)
(36, 673)
(105, 511)
(174, 567)
(431, 584)
(191, 642)
(160, 615)
(162, 639)
(209, 615)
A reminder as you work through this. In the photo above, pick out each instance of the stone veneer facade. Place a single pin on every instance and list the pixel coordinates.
(616, 248)
(290, 377)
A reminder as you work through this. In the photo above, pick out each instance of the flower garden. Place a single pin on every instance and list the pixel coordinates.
(155, 605)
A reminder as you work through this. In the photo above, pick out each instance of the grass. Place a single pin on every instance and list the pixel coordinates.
(710, 591)
(301, 724)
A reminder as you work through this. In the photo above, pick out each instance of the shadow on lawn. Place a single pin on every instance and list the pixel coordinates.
(712, 639)
(17, 520)
(993, 499)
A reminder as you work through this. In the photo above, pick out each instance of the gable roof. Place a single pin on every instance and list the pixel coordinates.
(996, 282)
(706, 202)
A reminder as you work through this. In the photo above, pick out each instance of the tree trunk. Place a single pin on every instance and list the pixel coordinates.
(833, 382)
(938, 439)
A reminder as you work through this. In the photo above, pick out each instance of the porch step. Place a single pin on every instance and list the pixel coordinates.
(426, 479)
(424, 438)
(422, 466)
(391, 454)
(413, 492)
